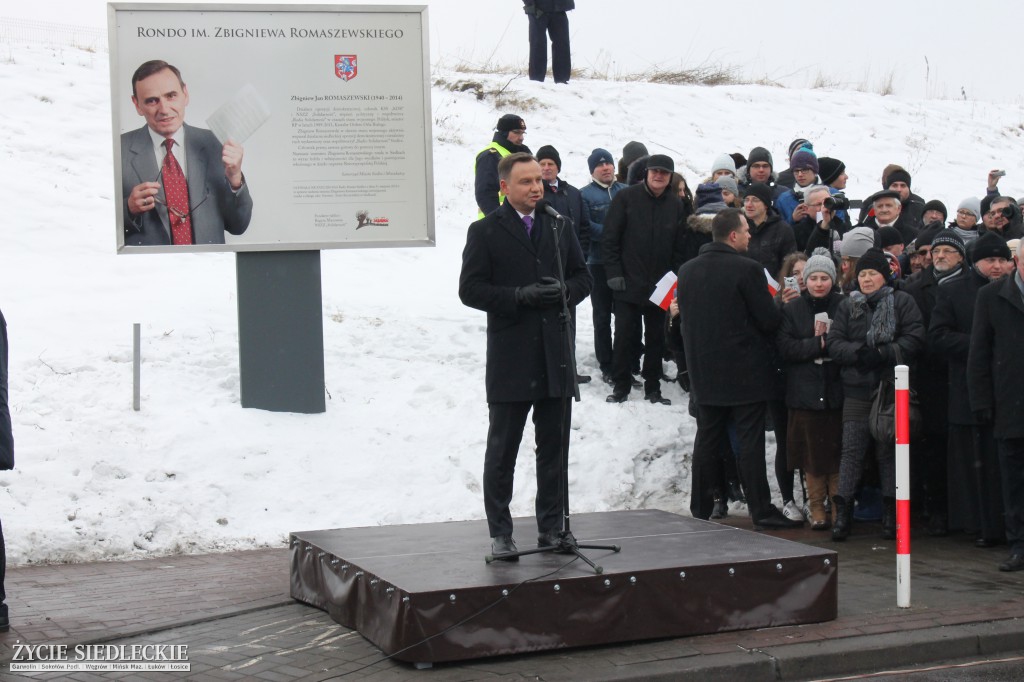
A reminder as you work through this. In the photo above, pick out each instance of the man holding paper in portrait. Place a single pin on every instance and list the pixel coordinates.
(181, 185)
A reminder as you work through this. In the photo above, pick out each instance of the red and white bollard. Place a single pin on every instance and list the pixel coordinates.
(903, 486)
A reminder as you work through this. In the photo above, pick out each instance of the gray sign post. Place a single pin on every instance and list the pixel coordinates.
(281, 331)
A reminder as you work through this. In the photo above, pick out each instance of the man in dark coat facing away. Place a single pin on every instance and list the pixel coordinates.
(509, 270)
(995, 365)
(728, 321)
(6, 461)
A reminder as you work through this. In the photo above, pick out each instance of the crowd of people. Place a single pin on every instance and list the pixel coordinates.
(793, 303)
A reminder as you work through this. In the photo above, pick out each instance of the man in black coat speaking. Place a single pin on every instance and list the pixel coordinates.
(510, 271)
(728, 320)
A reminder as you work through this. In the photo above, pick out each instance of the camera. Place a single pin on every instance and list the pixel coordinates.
(1007, 212)
(799, 196)
(837, 202)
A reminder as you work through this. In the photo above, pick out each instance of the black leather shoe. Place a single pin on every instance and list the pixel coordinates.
(774, 520)
(720, 510)
(554, 538)
(1015, 562)
(656, 398)
(503, 544)
(583, 378)
(617, 397)
(987, 542)
(636, 382)
(607, 378)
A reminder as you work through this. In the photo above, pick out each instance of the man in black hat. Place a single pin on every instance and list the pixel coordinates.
(887, 211)
(549, 18)
(930, 374)
(771, 238)
(995, 365)
(568, 201)
(644, 238)
(510, 132)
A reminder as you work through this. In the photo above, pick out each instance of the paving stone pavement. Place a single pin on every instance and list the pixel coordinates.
(234, 613)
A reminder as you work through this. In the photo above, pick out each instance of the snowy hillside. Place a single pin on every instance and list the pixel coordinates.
(403, 436)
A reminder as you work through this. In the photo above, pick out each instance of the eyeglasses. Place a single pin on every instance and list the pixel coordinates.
(183, 216)
(965, 214)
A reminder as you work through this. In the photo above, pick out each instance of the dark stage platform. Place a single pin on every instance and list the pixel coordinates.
(424, 594)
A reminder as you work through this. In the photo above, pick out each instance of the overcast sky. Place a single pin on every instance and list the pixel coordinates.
(934, 49)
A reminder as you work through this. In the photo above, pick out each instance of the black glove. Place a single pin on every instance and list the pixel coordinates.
(547, 293)
(869, 359)
(983, 416)
(534, 10)
(684, 380)
(617, 284)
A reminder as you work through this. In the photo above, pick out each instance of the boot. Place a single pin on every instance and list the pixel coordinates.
(816, 492)
(844, 518)
(888, 518)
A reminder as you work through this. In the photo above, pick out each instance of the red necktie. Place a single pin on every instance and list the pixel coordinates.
(176, 194)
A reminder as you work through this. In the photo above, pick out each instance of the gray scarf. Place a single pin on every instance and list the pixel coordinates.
(880, 308)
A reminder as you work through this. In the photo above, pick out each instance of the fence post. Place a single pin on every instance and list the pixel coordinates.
(902, 486)
(136, 366)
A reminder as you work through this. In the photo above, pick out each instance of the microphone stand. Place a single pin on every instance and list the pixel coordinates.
(567, 543)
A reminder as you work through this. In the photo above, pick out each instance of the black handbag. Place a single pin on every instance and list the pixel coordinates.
(882, 418)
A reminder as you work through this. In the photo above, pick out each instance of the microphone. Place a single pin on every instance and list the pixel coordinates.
(546, 207)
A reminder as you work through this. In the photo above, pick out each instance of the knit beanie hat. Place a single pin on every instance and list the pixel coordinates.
(597, 157)
(925, 236)
(856, 242)
(758, 155)
(549, 152)
(761, 191)
(972, 204)
(738, 160)
(951, 238)
(804, 159)
(510, 122)
(887, 236)
(709, 193)
(820, 261)
(898, 175)
(874, 259)
(830, 169)
(724, 162)
(936, 205)
(989, 245)
(633, 151)
(797, 144)
(728, 183)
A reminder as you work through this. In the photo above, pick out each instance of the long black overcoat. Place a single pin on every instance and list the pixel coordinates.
(524, 345)
(728, 319)
(995, 363)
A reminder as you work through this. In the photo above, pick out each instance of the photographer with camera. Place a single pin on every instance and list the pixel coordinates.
(1004, 218)
(826, 229)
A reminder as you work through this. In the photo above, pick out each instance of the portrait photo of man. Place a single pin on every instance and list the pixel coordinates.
(180, 184)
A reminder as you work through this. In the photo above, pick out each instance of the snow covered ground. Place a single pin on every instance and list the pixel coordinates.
(403, 436)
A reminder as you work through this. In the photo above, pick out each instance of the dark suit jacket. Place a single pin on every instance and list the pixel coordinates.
(524, 345)
(215, 208)
(995, 363)
(728, 320)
